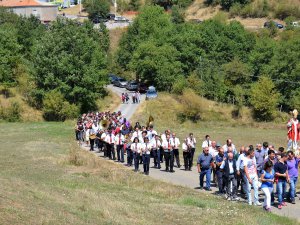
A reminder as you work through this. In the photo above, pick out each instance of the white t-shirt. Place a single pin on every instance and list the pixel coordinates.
(250, 163)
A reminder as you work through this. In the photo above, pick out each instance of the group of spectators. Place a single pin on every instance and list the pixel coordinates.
(135, 97)
(230, 169)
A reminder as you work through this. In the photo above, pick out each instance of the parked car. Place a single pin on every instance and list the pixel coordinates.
(269, 23)
(132, 86)
(120, 19)
(142, 88)
(120, 82)
(112, 78)
(111, 16)
(97, 20)
(151, 93)
(295, 24)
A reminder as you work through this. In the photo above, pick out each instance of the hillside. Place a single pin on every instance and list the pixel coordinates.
(252, 15)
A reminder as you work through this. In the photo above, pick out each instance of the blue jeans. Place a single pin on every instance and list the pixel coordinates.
(206, 173)
(254, 180)
(293, 184)
(281, 190)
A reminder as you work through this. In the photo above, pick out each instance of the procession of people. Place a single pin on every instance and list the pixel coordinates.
(235, 172)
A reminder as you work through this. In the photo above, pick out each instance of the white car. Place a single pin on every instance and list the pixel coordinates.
(120, 19)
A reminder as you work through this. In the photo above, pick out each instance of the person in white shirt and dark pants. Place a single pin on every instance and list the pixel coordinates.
(119, 143)
(176, 143)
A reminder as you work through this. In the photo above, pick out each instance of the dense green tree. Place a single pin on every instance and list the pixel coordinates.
(9, 53)
(264, 99)
(134, 5)
(69, 58)
(177, 15)
(158, 65)
(96, 8)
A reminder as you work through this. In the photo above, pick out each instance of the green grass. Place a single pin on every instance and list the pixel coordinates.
(40, 186)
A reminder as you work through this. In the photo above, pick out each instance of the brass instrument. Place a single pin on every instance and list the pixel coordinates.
(150, 121)
(104, 124)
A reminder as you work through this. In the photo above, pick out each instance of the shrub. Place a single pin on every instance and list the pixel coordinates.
(192, 106)
(56, 108)
(12, 113)
(284, 10)
(264, 99)
(179, 86)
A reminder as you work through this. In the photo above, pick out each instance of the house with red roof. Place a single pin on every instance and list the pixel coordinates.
(46, 12)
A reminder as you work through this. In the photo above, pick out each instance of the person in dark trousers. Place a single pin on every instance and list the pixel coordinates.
(136, 149)
(219, 159)
(156, 144)
(229, 168)
(146, 150)
(168, 154)
(176, 143)
(119, 143)
(109, 139)
(204, 165)
(186, 156)
(191, 142)
(129, 152)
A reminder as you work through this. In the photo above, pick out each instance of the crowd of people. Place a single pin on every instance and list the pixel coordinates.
(232, 170)
(135, 97)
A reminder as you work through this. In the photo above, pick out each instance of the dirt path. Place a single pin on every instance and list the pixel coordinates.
(190, 179)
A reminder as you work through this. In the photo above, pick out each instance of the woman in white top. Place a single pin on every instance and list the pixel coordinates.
(146, 150)
(136, 149)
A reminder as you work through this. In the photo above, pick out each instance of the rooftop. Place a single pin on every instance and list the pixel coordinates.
(21, 3)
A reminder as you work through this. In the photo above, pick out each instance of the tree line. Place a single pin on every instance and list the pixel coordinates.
(60, 68)
(215, 59)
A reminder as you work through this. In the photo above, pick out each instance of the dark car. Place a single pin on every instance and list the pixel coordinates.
(151, 93)
(268, 24)
(111, 16)
(112, 78)
(120, 82)
(142, 88)
(97, 20)
(132, 86)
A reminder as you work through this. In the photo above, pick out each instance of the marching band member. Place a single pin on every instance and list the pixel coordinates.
(176, 143)
(186, 156)
(109, 139)
(136, 149)
(191, 143)
(168, 153)
(146, 149)
(119, 143)
(156, 151)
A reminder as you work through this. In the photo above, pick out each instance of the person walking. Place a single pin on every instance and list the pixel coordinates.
(259, 156)
(186, 156)
(267, 179)
(109, 139)
(252, 178)
(168, 153)
(293, 165)
(219, 172)
(146, 150)
(119, 143)
(204, 165)
(229, 168)
(136, 149)
(156, 151)
(282, 177)
(191, 143)
(176, 143)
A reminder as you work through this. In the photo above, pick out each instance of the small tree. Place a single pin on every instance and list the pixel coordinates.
(177, 15)
(264, 99)
(134, 5)
(96, 8)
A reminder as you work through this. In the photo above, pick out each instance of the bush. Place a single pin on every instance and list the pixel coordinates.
(192, 106)
(12, 113)
(284, 10)
(56, 108)
(264, 99)
(179, 86)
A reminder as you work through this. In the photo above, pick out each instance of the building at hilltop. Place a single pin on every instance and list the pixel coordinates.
(46, 12)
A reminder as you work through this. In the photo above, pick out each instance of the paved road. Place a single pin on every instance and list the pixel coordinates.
(127, 109)
(190, 179)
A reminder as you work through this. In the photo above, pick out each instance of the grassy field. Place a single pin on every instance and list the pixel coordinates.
(40, 184)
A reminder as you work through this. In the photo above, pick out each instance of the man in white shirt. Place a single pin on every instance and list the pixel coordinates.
(146, 150)
(119, 143)
(240, 170)
(168, 153)
(191, 143)
(110, 139)
(151, 133)
(137, 133)
(155, 143)
(136, 149)
(175, 145)
(207, 142)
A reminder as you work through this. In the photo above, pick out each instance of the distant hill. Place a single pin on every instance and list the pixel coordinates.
(251, 15)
